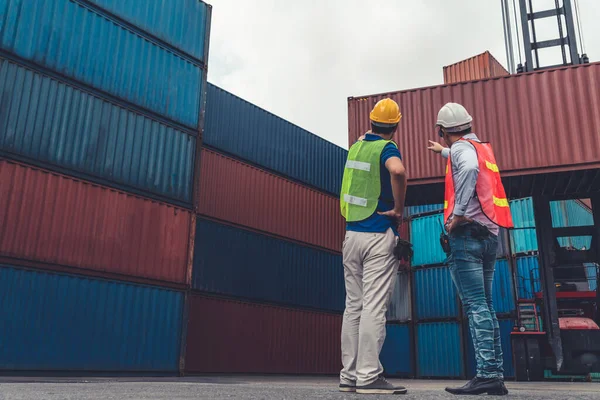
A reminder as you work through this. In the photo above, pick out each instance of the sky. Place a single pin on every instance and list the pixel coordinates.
(301, 60)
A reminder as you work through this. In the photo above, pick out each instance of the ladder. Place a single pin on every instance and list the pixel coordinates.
(528, 316)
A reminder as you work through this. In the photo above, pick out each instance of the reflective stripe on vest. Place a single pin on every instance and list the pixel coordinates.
(361, 185)
(489, 188)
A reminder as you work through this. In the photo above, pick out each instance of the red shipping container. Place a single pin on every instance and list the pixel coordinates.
(226, 336)
(481, 66)
(539, 122)
(236, 192)
(53, 219)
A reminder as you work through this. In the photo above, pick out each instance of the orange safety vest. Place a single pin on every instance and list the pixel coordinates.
(489, 188)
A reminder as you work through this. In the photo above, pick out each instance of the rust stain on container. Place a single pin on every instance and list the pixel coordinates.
(481, 66)
(236, 192)
(227, 336)
(538, 122)
(50, 218)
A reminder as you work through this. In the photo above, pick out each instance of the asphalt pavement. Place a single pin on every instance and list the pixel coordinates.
(254, 387)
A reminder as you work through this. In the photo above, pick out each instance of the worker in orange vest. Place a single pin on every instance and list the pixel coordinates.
(475, 207)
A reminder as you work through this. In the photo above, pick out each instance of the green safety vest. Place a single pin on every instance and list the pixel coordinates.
(361, 186)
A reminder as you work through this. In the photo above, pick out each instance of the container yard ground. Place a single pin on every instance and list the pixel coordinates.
(243, 387)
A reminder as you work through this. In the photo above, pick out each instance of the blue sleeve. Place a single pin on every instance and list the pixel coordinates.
(389, 151)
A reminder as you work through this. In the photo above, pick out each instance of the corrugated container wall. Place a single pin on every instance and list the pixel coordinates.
(226, 336)
(439, 350)
(56, 322)
(425, 236)
(412, 211)
(246, 131)
(182, 24)
(56, 125)
(244, 264)
(527, 277)
(506, 327)
(50, 218)
(435, 295)
(481, 66)
(396, 354)
(229, 188)
(400, 307)
(503, 291)
(92, 47)
(566, 100)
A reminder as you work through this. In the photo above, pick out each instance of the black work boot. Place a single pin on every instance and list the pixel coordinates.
(491, 386)
(380, 386)
(504, 389)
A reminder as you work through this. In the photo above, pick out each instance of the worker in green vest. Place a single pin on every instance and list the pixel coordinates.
(372, 202)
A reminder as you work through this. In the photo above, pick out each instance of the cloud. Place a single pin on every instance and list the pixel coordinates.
(301, 60)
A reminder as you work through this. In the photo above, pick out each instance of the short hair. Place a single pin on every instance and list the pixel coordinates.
(461, 133)
(383, 130)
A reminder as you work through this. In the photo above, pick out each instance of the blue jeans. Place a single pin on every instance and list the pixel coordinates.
(472, 261)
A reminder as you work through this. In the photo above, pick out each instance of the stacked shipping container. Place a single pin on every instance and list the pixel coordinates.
(267, 260)
(102, 113)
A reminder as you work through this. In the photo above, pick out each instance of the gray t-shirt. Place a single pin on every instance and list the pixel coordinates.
(465, 170)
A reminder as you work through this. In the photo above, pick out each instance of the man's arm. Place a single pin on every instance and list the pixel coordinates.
(398, 180)
(465, 170)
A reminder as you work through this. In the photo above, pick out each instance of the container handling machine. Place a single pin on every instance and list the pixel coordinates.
(557, 333)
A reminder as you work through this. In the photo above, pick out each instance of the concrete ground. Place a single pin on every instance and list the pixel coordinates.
(288, 388)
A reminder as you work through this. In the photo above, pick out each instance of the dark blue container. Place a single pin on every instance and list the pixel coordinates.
(503, 292)
(506, 327)
(528, 277)
(62, 127)
(56, 322)
(240, 263)
(237, 127)
(435, 294)
(182, 23)
(397, 351)
(81, 43)
(439, 350)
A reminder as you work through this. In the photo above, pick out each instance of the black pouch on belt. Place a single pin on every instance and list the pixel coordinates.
(403, 250)
(444, 240)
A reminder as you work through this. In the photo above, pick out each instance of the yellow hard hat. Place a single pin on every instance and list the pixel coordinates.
(386, 112)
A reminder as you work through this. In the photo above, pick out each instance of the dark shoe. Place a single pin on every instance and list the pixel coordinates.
(347, 388)
(380, 386)
(491, 386)
(504, 389)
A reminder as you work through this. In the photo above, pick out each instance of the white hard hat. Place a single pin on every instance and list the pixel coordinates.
(454, 118)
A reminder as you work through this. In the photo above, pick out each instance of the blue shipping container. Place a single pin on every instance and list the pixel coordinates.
(244, 264)
(425, 236)
(570, 213)
(397, 351)
(522, 213)
(503, 293)
(56, 322)
(435, 294)
(400, 307)
(88, 46)
(416, 210)
(591, 273)
(528, 277)
(523, 240)
(439, 350)
(62, 127)
(506, 327)
(246, 131)
(183, 24)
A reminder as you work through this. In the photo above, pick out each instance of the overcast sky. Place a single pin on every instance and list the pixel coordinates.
(302, 59)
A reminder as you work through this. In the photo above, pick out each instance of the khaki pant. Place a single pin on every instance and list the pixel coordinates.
(370, 273)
